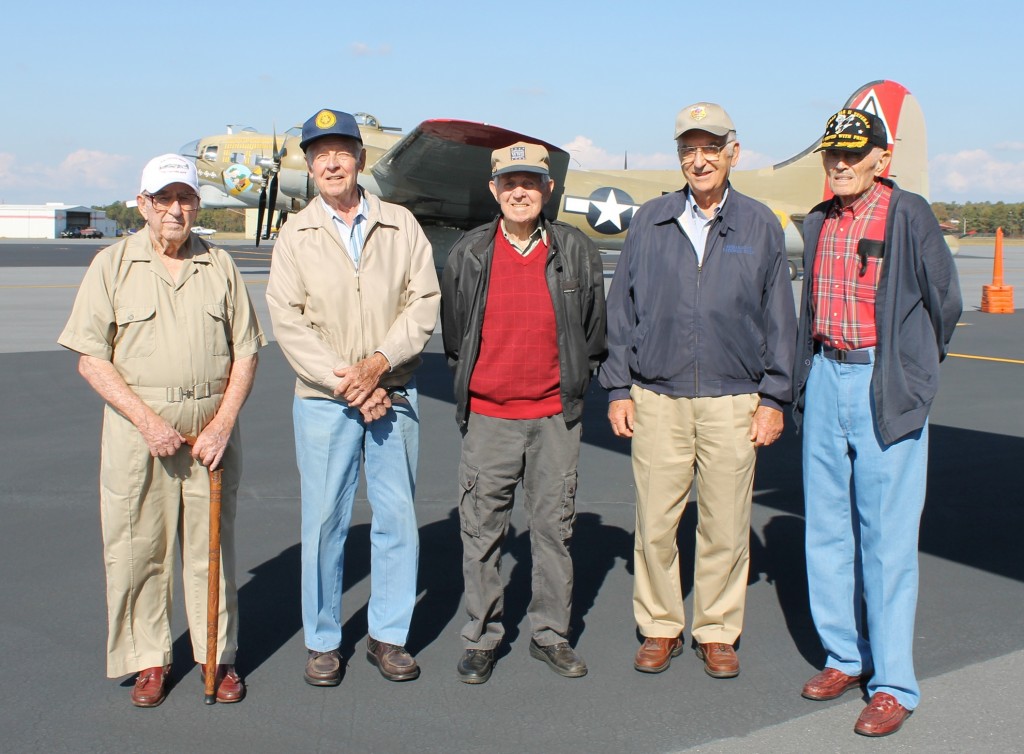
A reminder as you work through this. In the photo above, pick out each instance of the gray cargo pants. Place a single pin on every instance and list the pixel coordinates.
(496, 455)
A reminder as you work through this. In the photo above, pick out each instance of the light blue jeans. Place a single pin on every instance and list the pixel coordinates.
(863, 504)
(331, 441)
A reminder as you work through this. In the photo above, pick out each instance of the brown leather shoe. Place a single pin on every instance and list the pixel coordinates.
(656, 653)
(393, 662)
(720, 660)
(883, 716)
(229, 685)
(150, 686)
(830, 684)
(323, 668)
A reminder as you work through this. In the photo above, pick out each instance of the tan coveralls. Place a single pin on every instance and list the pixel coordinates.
(173, 343)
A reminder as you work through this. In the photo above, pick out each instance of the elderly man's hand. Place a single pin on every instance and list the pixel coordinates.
(620, 414)
(374, 407)
(209, 447)
(359, 381)
(766, 426)
(162, 439)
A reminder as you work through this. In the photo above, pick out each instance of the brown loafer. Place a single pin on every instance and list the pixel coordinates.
(656, 653)
(883, 716)
(150, 687)
(393, 662)
(830, 684)
(323, 668)
(229, 685)
(720, 660)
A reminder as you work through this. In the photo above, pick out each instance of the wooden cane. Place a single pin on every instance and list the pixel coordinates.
(213, 588)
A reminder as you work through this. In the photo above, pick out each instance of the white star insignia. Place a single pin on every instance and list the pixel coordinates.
(611, 210)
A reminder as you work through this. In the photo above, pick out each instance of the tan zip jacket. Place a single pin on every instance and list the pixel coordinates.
(327, 315)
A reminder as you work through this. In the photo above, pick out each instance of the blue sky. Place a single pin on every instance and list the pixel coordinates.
(89, 94)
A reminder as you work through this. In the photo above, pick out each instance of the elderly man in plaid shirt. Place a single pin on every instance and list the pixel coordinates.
(880, 301)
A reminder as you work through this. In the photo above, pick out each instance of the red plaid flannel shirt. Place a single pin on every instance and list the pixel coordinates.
(843, 289)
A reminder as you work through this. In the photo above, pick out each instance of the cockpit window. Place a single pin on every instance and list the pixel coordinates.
(209, 152)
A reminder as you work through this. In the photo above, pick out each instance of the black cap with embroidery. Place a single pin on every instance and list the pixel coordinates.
(854, 131)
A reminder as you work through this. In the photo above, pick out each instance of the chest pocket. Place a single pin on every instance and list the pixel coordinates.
(136, 331)
(572, 298)
(216, 329)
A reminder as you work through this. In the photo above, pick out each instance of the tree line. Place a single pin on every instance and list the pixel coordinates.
(224, 220)
(981, 217)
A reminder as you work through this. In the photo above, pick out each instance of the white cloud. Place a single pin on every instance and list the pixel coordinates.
(363, 50)
(976, 175)
(589, 156)
(751, 160)
(84, 176)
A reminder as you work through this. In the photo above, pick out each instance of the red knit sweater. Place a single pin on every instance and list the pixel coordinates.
(516, 374)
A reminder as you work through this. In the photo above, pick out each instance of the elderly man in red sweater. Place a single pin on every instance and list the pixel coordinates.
(523, 320)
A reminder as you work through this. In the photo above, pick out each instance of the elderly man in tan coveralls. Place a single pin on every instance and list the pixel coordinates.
(168, 338)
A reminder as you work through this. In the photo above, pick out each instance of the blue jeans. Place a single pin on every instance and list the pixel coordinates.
(863, 504)
(331, 441)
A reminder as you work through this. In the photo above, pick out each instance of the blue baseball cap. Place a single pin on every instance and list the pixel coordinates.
(329, 123)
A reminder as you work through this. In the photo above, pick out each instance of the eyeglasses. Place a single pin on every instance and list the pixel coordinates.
(164, 202)
(711, 152)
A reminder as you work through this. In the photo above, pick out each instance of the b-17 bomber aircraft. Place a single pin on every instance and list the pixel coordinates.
(438, 172)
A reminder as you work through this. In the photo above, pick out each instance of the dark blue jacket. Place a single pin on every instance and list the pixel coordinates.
(725, 327)
(917, 306)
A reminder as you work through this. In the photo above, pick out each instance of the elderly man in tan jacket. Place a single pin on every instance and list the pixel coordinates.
(354, 297)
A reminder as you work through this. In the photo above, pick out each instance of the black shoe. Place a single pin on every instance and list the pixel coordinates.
(475, 665)
(561, 658)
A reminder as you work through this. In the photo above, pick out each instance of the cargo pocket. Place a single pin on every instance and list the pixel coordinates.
(568, 505)
(216, 331)
(136, 331)
(469, 509)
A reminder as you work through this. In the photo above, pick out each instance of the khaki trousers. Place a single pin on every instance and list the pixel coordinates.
(145, 504)
(672, 438)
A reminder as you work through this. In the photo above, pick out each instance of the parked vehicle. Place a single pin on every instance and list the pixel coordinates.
(71, 233)
(91, 233)
(199, 230)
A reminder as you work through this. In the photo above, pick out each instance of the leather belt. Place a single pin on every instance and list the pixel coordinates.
(858, 356)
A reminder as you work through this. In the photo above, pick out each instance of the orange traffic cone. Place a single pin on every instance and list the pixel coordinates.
(997, 298)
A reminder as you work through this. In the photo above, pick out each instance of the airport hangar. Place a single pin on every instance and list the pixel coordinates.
(48, 220)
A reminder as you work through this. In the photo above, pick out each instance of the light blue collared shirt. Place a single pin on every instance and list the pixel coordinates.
(695, 223)
(351, 237)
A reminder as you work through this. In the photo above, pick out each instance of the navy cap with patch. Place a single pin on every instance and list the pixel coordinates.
(329, 123)
(854, 131)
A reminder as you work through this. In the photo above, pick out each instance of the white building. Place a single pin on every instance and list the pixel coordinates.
(48, 220)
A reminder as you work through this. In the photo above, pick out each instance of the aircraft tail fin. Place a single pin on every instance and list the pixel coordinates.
(797, 184)
(904, 122)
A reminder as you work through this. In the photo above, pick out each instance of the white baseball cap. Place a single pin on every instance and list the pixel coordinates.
(166, 169)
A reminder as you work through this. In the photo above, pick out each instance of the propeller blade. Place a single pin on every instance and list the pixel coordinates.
(259, 213)
(273, 202)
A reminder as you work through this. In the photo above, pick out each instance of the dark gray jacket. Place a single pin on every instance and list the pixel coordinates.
(575, 279)
(725, 327)
(917, 306)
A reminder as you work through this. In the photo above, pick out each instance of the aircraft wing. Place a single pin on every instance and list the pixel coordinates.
(439, 171)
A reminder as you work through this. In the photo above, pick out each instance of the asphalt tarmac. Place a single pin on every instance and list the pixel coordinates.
(54, 697)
